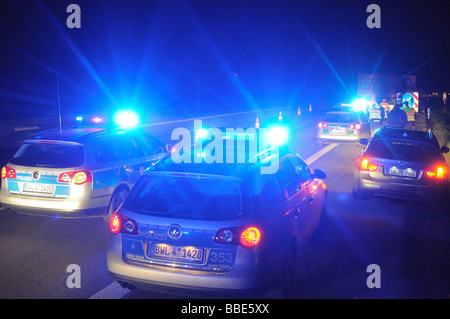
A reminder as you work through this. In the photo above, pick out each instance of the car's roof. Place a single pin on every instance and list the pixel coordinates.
(225, 169)
(76, 134)
(403, 134)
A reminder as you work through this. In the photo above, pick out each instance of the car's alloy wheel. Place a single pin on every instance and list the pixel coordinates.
(117, 199)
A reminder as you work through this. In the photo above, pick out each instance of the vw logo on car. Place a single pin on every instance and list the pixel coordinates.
(174, 231)
(36, 175)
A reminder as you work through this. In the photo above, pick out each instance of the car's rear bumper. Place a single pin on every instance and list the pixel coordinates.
(242, 277)
(399, 190)
(76, 213)
(78, 204)
(330, 137)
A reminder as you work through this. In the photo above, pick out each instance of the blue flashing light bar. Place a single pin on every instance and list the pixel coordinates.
(126, 118)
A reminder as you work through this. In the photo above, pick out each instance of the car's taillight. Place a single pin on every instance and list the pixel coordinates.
(115, 223)
(437, 172)
(8, 172)
(76, 177)
(322, 125)
(355, 126)
(250, 237)
(245, 236)
(366, 165)
(122, 224)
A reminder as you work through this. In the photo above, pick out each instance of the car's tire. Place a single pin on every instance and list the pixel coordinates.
(285, 286)
(324, 212)
(288, 274)
(117, 199)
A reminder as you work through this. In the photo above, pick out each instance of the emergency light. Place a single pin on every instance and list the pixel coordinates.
(126, 118)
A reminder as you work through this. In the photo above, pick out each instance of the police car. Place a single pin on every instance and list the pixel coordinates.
(80, 171)
(222, 226)
(339, 126)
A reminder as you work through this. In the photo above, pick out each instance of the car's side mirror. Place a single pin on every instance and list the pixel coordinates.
(444, 149)
(320, 174)
(169, 148)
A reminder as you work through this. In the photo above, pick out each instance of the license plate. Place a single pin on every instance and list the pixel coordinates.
(182, 253)
(402, 172)
(38, 188)
(339, 131)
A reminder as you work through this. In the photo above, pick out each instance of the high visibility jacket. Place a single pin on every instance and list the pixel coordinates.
(410, 113)
(374, 114)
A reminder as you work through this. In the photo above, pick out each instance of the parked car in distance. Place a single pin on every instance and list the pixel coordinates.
(342, 126)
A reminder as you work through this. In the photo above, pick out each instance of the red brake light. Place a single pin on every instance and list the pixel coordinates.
(250, 237)
(115, 223)
(322, 125)
(247, 237)
(439, 172)
(76, 177)
(97, 119)
(357, 126)
(122, 224)
(365, 165)
(8, 172)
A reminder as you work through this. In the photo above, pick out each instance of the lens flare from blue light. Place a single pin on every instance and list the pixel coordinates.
(201, 133)
(360, 105)
(126, 118)
(277, 135)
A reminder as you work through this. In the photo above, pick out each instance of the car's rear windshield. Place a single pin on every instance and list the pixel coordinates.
(403, 150)
(341, 117)
(188, 197)
(57, 155)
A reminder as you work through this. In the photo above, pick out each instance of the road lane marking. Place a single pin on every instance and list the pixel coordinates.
(212, 116)
(320, 153)
(25, 128)
(112, 291)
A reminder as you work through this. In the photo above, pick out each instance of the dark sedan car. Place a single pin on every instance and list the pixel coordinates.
(401, 163)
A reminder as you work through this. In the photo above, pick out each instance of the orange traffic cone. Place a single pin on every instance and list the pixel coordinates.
(257, 122)
(310, 108)
(298, 111)
(280, 117)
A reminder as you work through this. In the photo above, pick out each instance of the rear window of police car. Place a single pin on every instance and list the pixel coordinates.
(191, 198)
(55, 155)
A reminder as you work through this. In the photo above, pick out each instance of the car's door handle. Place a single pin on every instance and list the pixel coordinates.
(129, 169)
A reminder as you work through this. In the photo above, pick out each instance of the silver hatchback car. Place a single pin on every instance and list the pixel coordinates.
(342, 127)
(78, 172)
(216, 227)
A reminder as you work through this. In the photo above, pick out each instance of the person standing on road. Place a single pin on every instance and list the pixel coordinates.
(397, 118)
(410, 114)
(376, 115)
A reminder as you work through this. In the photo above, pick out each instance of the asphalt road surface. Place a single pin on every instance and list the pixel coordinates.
(409, 243)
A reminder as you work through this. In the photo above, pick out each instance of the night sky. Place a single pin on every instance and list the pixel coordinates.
(177, 57)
